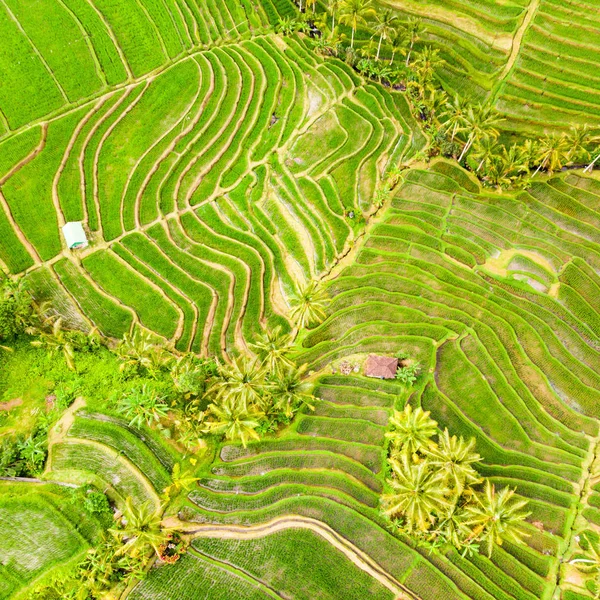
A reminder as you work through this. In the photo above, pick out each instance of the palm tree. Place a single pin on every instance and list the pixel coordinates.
(385, 27)
(242, 382)
(412, 429)
(312, 3)
(414, 30)
(481, 122)
(354, 13)
(272, 347)
(484, 150)
(58, 340)
(142, 529)
(434, 103)
(552, 153)
(233, 420)
(308, 306)
(496, 516)
(333, 6)
(143, 406)
(181, 481)
(455, 457)
(514, 162)
(579, 139)
(398, 43)
(138, 350)
(425, 65)
(451, 526)
(456, 112)
(418, 494)
(289, 391)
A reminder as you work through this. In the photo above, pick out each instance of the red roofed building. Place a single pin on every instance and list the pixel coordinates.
(381, 367)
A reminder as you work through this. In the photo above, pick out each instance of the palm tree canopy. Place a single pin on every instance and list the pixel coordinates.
(272, 347)
(242, 382)
(308, 306)
(412, 429)
(142, 529)
(289, 391)
(455, 457)
(234, 421)
(497, 516)
(418, 494)
(354, 13)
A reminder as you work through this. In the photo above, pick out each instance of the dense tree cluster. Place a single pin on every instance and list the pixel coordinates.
(435, 493)
(458, 128)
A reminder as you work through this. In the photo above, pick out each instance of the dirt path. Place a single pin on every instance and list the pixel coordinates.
(41, 145)
(516, 45)
(355, 555)
(566, 573)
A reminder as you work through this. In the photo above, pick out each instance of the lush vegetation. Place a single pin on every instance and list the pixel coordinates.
(272, 192)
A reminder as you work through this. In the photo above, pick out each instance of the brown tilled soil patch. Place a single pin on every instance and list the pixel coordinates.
(11, 404)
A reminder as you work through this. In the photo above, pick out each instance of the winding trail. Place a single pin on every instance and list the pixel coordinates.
(355, 555)
(516, 46)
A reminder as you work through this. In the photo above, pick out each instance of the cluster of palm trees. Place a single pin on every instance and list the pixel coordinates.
(469, 133)
(254, 394)
(588, 560)
(458, 128)
(435, 493)
(238, 399)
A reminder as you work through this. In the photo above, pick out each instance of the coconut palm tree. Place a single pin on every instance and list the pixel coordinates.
(333, 7)
(481, 121)
(580, 138)
(496, 516)
(553, 151)
(398, 43)
(354, 13)
(484, 151)
(455, 457)
(308, 305)
(385, 27)
(138, 350)
(289, 391)
(272, 347)
(181, 481)
(426, 63)
(418, 494)
(234, 420)
(456, 111)
(412, 429)
(58, 340)
(143, 406)
(242, 382)
(414, 30)
(142, 529)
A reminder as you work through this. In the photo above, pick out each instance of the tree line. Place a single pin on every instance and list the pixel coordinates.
(458, 128)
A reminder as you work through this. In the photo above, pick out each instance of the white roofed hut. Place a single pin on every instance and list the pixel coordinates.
(75, 235)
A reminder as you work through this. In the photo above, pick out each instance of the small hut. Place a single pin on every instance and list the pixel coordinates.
(381, 367)
(75, 235)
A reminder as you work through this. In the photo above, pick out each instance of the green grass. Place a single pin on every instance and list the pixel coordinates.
(38, 535)
(282, 559)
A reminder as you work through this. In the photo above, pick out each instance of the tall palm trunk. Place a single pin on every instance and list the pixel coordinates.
(590, 167)
(467, 147)
(409, 53)
(332, 23)
(379, 46)
(352, 42)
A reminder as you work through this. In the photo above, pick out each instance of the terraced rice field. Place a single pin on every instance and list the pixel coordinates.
(536, 60)
(238, 169)
(217, 167)
(41, 531)
(104, 451)
(496, 297)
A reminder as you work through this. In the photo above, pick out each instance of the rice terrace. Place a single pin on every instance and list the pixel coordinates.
(299, 299)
